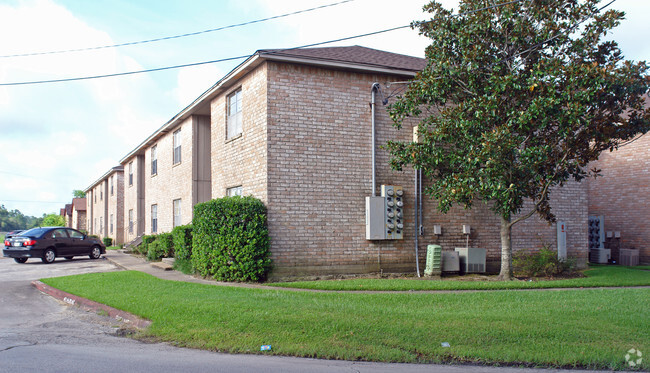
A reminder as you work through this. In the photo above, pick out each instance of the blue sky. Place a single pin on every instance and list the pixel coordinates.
(63, 136)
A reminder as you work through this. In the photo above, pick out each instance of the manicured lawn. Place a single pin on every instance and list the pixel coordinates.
(597, 276)
(112, 247)
(584, 328)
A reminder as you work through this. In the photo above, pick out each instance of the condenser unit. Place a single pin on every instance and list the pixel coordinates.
(601, 256)
(629, 257)
(472, 259)
(450, 261)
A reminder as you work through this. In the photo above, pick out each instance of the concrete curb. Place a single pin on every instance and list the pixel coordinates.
(89, 305)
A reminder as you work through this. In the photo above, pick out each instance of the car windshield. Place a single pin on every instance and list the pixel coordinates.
(34, 232)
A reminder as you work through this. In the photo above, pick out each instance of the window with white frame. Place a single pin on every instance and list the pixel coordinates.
(177, 146)
(130, 173)
(154, 218)
(234, 191)
(154, 160)
(131, 221)
(112, 185)
(111, 224)
(177, 212)
(234, 120)
(101, 225)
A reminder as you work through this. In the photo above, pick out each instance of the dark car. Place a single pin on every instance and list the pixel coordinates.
(50, 242)
(14, 233)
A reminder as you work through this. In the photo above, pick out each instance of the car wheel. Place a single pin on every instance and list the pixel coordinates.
(95, 252)
(20, 260)
(48, 256)
(69, 257)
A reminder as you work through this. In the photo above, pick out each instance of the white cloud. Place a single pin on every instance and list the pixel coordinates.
(192, 82)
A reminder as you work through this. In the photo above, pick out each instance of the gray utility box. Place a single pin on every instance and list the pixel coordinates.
(385, 214)
(472, 259)
(450, 261)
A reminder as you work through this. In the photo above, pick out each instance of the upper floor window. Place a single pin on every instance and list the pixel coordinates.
(234, 119)
(130, 173)
(177, 147)
(154, 160)
(112, 185)
(234, 191)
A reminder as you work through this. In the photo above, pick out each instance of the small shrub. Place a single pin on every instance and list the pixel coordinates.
(107, 241)
(542, 263)
(230, 240)
(93, 236)
(162, 247)
(184, 265)
(147, 240)
(182, 237)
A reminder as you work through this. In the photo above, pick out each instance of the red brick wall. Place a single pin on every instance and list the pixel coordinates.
(319, 173)
(622, 194)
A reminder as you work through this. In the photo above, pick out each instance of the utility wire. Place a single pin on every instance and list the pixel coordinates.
(238, 57)
(176, 36)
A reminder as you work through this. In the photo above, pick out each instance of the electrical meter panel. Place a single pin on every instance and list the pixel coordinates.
(385, 214)
(596, 232)
(394, 196)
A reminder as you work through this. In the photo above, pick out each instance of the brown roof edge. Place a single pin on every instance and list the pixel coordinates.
(79, 204)
(113, 170)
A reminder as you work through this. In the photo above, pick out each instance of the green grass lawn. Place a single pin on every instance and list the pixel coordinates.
(597, 276)
(571, 328)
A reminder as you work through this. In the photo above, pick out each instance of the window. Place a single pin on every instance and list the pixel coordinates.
(95, 224)
(130, 221)
(177, 212)
(112, 184)
(101, 224)
(234, 191)
(234, 119)
(154, 218)
(130, 173)
(101, 195)
(95, 193)
(111, 231)
(75, 234)
(154, 161)
(177, 147)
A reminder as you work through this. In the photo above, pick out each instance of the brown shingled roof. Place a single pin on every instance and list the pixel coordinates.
(68, 209)
(79, 204)
(356, 55)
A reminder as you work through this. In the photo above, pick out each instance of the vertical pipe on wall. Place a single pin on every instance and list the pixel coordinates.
(373, 91)
(416, 226)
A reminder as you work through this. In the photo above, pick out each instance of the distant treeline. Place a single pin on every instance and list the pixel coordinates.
(11, 220)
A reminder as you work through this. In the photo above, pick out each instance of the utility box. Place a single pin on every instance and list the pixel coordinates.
(385, 214)
(450, 261)
(561, 240)
(434, 260)
(629, 257)
(600, 256)
(472, 259)
(596, 232)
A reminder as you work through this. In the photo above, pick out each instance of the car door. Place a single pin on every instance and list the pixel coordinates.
(78, 245)
(60, 241)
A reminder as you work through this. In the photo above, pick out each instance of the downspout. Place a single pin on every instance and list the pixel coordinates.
(416, 226)
(373, 90)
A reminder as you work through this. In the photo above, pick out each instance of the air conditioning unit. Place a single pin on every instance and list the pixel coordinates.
(472, 259)
(450, 261)
(629, 257)
(601, 256)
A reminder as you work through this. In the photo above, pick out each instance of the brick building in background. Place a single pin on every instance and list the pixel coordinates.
(78, 214)
(622, 196)
(105, 206)
(293, 128)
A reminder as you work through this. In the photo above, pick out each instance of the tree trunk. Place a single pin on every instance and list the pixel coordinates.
(506, 250)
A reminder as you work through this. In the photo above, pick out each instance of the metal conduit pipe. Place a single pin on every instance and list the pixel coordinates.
(416, 226)
(373, 91)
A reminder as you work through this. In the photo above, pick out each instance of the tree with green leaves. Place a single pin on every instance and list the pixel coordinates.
(53, 220)
(517, 99)
(78, 193)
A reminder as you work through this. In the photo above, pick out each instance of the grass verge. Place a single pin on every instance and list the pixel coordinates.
(573, 328)
(598, 276)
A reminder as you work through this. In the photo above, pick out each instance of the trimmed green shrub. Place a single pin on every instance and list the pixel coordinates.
(162, 247)
(231, 239)
(182, 237)
(542, 263)
(107, 241)
(143, 248)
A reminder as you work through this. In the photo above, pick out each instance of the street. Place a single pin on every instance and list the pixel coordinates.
(41, 334)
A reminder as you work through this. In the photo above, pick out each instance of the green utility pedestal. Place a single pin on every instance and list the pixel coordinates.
(434, 260)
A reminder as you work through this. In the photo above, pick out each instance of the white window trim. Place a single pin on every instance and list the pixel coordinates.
(234, 121)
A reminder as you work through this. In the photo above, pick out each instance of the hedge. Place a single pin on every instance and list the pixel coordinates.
(230, 240)
(182, 239)
(162, 247)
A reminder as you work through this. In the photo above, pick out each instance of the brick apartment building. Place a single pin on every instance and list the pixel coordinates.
(293, 128)
(105, 206)
(622, 196)
(78, 220)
